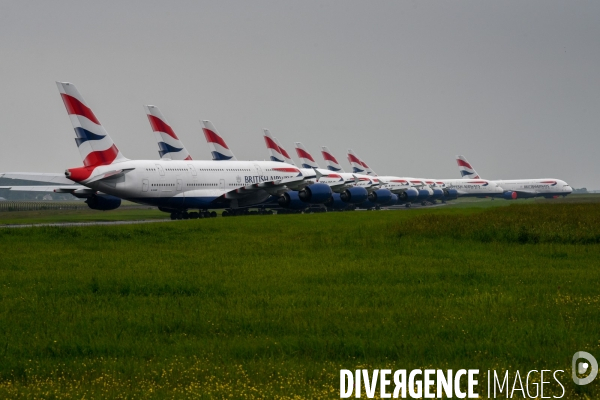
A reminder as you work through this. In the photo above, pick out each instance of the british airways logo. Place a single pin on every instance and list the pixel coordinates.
(259, 179)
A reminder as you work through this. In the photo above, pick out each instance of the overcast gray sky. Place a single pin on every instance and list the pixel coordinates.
(512, 85)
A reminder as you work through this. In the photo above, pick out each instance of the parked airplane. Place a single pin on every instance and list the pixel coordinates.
(409, 190)
(174, 186)
(520, 188)
(377, 195)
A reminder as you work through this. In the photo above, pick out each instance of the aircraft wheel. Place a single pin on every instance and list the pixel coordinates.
(193, 215)
(173, 216)
(225, 213)
(213, 214)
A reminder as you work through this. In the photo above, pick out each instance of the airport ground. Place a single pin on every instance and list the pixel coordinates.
(274, 306)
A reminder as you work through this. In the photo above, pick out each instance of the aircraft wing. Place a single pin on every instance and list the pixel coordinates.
(44, 188)
(53, 178)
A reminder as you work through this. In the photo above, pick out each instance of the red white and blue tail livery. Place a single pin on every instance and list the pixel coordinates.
(466, 170)
(358, 165)
(355, 163)
(274, 151)
(169, 145)
(306, 160)
(330, 160)
(218, 148)
(95, 145)
(288, 159)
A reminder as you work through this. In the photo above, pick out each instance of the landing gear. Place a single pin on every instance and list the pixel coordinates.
(408, 205)
(177, 215)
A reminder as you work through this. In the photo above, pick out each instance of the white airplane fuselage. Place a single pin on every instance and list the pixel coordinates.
(472, 187)
(535, 187)
(186, 184)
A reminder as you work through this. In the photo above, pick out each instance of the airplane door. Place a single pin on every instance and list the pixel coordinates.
(259, 170)
(222, 184)
(145, 185)
(192, 169)
(179, 184)
(161, 171)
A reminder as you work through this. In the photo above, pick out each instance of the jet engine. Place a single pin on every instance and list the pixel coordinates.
(354, 195)
(509, 195)
(409, 195)
(380, 196)
(423, 194)
(103, 202)
(450, 194)
(393, 201)
(437, 194)
(317, 193)
(336, 202)
(291, 200)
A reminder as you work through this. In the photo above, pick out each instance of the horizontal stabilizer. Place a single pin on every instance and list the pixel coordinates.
(55, 178)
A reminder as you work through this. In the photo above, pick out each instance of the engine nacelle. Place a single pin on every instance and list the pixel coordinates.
(437, 194)
(509, 195)
(291, 200)
(354, 195)
(336, 202)
(423, 194)
(103, 202)
(409, 195)
(380, 196)
(450, 194)
(393, 201)
(317, 193)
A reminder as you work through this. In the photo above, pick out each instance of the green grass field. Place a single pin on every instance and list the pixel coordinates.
(274, 306)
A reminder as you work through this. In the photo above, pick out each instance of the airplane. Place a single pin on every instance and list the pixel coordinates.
(409, 190)
(290, 199)
(220, 151)
(174, 186)
(344, 196)
(373, 195)
(399, 193)
(519, 188)
(169, 148)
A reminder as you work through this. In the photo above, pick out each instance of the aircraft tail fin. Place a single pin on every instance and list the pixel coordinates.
(218, 148)
(274, 151)
(358, 165)
(465, 168)
(287, 157)
(355, 163)
(306, 159)
(95, 145)
(330, 160)
(169, 145)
